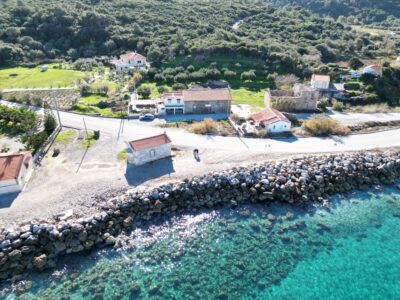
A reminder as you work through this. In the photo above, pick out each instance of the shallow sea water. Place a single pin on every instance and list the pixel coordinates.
(351, 251)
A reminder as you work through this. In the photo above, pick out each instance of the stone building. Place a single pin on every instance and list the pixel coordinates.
(148, 149)
(15, 170)
(197, 100)
(303, 97)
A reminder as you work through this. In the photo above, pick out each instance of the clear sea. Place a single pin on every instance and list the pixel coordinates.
(277, 251)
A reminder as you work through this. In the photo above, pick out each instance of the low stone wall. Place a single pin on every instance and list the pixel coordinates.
(37, 245)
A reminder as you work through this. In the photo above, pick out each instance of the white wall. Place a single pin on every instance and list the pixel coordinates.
(126, 64)
(324, 85)
(147, 155)
(278, 127)
(173, 101)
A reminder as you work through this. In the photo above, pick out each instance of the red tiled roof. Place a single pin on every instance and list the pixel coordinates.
(10, 165)
(173, 94)
(317, 77)
(207, 94)
(269, 116)
(375, 67)
(133, 55)
(150, 142)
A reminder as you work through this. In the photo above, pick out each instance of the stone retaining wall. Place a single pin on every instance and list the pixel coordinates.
(37, 245)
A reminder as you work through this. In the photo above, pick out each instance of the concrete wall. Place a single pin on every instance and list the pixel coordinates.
(147, 155)
(9, 186)
(278, 127)
(207, 107)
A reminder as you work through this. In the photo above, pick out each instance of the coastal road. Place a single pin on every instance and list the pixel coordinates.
(126, 130)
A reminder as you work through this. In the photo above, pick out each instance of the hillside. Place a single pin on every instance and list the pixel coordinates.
(373, 12)
(36, 30)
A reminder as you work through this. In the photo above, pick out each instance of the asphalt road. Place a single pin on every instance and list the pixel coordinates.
(126, 130)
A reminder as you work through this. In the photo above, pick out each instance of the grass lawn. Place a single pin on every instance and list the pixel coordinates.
(89, 141)
(93, 99)
(245, 96)
(153, 88)
(34, 78)
(112, 86)
(122, 155)
(65, 136)
(87, 109)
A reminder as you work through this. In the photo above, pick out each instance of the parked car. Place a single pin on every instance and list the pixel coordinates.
(146, 117)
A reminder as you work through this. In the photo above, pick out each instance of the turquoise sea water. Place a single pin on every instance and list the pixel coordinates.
(351, 251)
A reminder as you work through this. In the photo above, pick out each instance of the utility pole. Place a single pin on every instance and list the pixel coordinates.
(84, 123)
(58, 112)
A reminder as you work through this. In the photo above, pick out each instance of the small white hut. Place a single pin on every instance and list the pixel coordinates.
(148, 149)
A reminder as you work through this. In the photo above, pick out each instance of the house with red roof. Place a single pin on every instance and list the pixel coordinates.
(129, 61)
(373, 69)
(142, 151)
(14, 171)
(272, 120)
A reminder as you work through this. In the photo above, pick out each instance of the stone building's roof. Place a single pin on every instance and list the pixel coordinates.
(150, 142)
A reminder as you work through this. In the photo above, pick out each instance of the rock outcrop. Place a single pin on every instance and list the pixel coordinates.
(37, 245)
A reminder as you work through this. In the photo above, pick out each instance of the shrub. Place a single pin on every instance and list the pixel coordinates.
(49, 124)
(35, 141)
(322, 126)
(178, 86)
(337, 105)
(322, 105)
(205, 127)
(284, 104)
(229, 73)
(144, 92)
(248, 75)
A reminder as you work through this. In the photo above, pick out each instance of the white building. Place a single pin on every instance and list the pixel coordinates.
(320, 82)
(273, 120)
(149, 149)
(173, 104)
(355, 74)
(129, 61)
(373, 69)
(14, 171)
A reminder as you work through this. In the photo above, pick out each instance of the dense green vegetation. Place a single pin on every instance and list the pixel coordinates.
(35, 30)
(378, 12)
(16, 120)
(246, 43)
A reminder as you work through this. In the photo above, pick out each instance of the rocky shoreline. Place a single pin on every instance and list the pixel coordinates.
(37, 245)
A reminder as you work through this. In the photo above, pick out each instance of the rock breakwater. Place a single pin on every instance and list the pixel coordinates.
(37, 245)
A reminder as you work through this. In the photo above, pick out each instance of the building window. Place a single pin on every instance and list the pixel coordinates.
(169, 101)
(178, 101)
(152, 153)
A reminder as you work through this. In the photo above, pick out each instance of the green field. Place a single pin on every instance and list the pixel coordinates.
(92, 99)
(245, 96)
(112, 86)
(21, 77)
